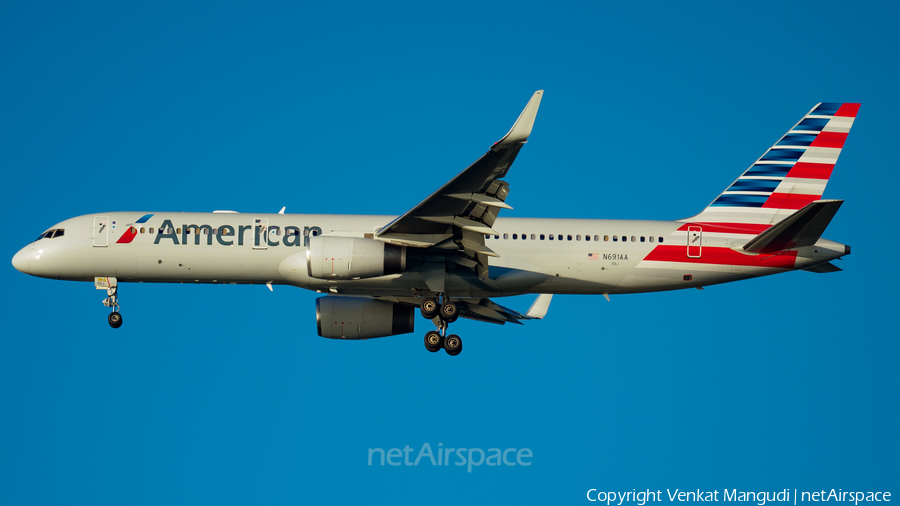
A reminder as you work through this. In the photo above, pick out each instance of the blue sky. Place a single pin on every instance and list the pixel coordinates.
(226, 394)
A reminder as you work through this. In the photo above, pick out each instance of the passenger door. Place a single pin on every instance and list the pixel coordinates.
(695, 241)
(100, 232)
(260, 233)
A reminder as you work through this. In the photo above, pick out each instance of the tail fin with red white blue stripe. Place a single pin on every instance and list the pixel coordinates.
(789, 175)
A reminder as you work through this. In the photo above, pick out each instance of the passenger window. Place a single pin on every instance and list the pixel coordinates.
(551, 237)
(596, 237)
(633, 239)
(506, 236)
(559, 236)
(487, 237)
(151, 230)
(59, 233)
(606, 238)
(578, 237)
(143, 230)
(496, 237)
(542, 237)
(624, 238)
(660, 239)
(315, 233)
(569, 237)
(615, 238)
(587, 238)
(642, 238)
(651, 238)
(532, 237)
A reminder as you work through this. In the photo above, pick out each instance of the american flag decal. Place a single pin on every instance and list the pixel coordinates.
(593, 256)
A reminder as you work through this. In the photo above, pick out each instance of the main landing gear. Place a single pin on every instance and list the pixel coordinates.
(437, 339)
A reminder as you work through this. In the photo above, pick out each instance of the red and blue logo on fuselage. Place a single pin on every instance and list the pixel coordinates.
(131, 232)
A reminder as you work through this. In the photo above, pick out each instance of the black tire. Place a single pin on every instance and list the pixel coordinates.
(434, 341)
(449, 312)
(115, 319)
(429, 308)
(453, 345)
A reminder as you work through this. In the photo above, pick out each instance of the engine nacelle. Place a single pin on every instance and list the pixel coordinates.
(330, 257)
(362, 317)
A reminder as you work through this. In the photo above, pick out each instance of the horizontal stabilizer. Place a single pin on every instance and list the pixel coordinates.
(823, 268)
(802, 228)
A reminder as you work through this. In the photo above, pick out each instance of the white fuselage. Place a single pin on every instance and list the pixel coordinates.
(582, 257)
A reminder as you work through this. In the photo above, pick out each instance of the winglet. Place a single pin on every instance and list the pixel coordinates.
(538, 310)
(521, 129)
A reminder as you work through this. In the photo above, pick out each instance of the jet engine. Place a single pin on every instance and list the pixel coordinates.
(331, 257)
(362, 317)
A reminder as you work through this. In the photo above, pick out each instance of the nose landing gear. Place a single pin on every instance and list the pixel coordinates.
(115, 319)
(111, 300)
(437, 339)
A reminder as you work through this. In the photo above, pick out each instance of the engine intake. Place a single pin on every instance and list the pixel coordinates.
(362, 318)
(330, 257)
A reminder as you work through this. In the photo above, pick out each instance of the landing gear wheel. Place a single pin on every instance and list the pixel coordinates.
(115, 319)
(434, 341)
(429, 308)
(449, 312)
(453, 345)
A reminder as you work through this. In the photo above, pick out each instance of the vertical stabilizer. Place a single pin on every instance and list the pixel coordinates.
(789, 175)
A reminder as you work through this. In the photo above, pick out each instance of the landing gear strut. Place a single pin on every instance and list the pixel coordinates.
(447, 312)
(111, 300)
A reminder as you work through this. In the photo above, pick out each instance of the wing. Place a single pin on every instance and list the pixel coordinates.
(462, 212)
(486, 310)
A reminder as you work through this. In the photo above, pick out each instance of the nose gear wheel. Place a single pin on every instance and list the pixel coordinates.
(112, 302)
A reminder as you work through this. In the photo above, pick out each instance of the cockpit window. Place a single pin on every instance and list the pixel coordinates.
(50, 234)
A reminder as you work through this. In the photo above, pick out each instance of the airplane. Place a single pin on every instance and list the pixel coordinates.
(451, 254)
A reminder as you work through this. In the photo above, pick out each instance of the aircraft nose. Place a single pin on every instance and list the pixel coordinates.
(22, 260)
